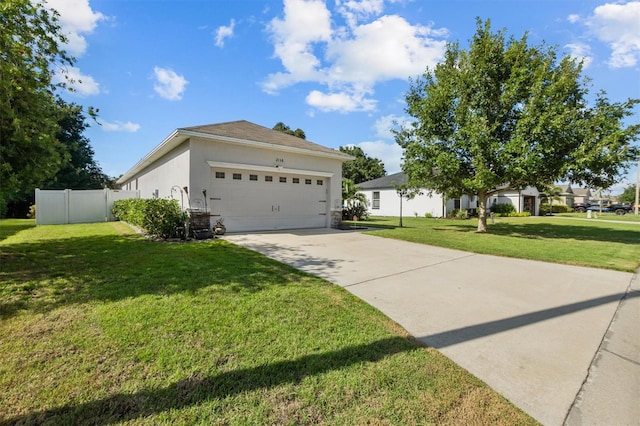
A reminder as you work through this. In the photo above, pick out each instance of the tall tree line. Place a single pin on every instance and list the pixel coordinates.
(41, 136)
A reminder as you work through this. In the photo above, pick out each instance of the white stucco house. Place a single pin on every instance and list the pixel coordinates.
(253, 177)
(383, 199)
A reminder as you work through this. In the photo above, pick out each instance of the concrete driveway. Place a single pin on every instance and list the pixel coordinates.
(530, 330)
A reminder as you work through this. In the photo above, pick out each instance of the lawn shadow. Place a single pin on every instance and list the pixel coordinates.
(558, 231)
(124, 407)
(44, 275)
(11, 227)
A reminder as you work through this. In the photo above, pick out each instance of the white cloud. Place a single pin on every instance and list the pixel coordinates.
(581, 52)
(340, 102)
(387, 48)
(80, 84)
(389, 153)
(619, 26)
(573, 18)
(350, 60)
(169, 85)
(305, 22)
(357, 10)
(76, 20)
(224, 32)
(119, 126)
(384, 124)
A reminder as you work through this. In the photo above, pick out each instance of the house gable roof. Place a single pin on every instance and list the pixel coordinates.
(243, 130)
(240, 132)
(385, 182)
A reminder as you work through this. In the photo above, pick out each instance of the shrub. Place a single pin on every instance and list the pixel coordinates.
(522, 214)
(502, 209)
(32, 212)
(158, 217)
(457, 214)
(428, 215)
(557, 208)
(355, 209)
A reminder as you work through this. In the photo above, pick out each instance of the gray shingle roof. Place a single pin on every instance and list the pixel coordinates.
(244, 130)
(385, 182)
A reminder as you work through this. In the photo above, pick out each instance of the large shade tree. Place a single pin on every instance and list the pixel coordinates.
(30, 52)
(505, 115)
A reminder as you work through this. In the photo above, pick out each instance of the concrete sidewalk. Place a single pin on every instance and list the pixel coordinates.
(530, 330)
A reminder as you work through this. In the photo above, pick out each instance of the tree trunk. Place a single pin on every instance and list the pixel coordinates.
(482, 211)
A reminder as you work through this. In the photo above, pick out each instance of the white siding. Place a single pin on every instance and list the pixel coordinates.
(170, 171)
(390, 204)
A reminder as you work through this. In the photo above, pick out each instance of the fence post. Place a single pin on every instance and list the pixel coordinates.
(67, 201)
(37, 198)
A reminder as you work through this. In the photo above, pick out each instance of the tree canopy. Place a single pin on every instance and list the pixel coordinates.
(628, 196)
(363, 168)
(30, 49)
(80, 171)
(41, 135)
(281, 127)
(506, 115)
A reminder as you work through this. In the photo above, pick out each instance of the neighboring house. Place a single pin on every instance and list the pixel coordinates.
(567, 196)
(581, 195)
(524, 200)
(384, 200)
(253, 177)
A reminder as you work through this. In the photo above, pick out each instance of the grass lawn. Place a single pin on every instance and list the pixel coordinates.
(100, 326)
(596, 216)
(552, 239)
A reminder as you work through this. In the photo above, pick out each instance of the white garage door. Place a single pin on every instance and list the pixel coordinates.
(256, 200)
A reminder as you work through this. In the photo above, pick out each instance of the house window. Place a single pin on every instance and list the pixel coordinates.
(268, 178)
(219, 175)
(376, 200)
(237, 176)
(307, 181)
(319, 182)
(283, 179)
(456, 203)
(253, 177)
(296, 180)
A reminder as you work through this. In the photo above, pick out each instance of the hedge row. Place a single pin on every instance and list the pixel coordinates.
(157, 217)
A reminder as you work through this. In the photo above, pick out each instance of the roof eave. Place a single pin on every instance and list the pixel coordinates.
(180, 135)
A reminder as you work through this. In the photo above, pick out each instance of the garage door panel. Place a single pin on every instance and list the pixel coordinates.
(259, 204)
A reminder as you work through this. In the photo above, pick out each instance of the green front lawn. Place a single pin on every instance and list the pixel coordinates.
(100, 326)
(552, 239)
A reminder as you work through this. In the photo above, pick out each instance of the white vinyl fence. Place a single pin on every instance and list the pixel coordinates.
(55, 207)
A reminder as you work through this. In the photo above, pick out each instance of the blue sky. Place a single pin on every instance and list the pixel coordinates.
(337, 69)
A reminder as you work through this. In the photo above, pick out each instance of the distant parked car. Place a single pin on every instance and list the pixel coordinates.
(618, 209)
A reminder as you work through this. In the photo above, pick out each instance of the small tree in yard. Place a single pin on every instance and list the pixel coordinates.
(355, 202)
(551, 193)
(505, 115)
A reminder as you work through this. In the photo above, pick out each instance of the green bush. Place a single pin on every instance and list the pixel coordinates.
(522, 214)
(428, 215)
(502, 209)
(457, 214)
(356, 209)
(157, 217)
(557, 208)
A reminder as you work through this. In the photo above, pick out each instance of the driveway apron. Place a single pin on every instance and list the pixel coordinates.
(528, 329)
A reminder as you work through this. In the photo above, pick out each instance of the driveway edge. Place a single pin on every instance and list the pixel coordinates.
(611, 390)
